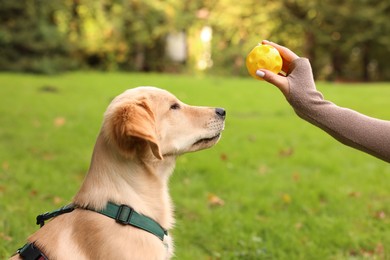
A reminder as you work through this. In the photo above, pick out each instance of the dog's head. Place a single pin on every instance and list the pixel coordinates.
(147, 120)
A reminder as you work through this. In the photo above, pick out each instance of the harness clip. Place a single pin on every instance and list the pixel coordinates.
(48, 215)
(124, 214)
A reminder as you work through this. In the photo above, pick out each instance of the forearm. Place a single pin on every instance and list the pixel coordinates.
(347, 126)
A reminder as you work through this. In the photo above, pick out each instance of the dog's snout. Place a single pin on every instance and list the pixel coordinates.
(220, 112)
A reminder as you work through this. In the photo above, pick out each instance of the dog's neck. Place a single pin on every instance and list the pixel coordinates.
(141, 184)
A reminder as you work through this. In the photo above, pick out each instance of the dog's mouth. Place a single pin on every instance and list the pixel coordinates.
(201, 144)
(207, 140)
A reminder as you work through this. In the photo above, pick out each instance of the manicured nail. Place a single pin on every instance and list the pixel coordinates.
(260, 73)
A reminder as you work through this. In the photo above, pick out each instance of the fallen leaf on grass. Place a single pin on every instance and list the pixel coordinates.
(33, 193)
(298, 226)
(252, 138)
(354, 194)
(5, 166)
(296, 177)
(48, 156)
(36, 123)
(375, 253)
(57, 200)
(263, 169)
(59, 121)
(186, 181)
(214, 200)
(286, 198)
(287, 152)
(223, 157)
(380, 249)
(380, 215)
(5, 237)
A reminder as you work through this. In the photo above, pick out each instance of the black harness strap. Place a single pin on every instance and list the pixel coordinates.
(48, 215)
(30, 252)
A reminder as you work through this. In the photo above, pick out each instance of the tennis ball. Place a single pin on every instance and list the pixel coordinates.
(263, 57)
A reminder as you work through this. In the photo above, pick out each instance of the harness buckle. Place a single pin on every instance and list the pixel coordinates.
(123, 215)
(48, 215)
(29, 251)
(42, 218)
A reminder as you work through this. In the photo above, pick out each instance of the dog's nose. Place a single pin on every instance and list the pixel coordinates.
(220, 112)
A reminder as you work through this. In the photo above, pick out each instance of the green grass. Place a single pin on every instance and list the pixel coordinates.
(290, 191)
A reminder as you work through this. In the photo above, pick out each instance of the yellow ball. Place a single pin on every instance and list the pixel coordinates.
(263, 57)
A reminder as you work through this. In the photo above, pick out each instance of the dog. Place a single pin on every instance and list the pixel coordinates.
(144, 129)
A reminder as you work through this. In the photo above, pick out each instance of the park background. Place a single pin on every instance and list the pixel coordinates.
(345, 40)
(275, 187)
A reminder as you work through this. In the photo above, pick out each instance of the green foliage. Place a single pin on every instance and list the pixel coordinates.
(274, 187)
(29, 38)
(345, 40)
(341, 37)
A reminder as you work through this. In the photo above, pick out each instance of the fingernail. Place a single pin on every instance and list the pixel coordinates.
(260, 73)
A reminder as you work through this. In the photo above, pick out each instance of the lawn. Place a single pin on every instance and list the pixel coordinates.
(274, 187)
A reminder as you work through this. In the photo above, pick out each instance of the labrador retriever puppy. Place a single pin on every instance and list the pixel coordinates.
(143, 131)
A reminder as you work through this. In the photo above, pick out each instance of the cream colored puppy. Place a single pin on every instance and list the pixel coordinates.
(143, 131)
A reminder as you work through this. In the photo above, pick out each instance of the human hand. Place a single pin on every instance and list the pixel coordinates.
(279, 81)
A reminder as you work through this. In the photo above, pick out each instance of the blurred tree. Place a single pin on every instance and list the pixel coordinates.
(94, 32)
(237, 28)
(29, 37)
(144, 30)
(343, 39)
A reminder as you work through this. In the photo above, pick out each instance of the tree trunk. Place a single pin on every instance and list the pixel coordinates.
(337, 64)
(309, 50)
(366, 61)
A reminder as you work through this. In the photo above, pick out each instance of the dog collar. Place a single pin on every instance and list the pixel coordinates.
(122, 214)
(126, 215)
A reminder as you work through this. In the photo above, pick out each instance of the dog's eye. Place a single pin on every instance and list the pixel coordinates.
(175, 106)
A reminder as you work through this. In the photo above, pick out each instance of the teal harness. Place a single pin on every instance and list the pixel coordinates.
(122, 214)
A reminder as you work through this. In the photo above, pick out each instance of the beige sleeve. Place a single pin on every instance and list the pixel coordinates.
(351, 128)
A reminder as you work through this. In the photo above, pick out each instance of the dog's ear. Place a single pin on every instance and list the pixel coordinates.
(136, 126)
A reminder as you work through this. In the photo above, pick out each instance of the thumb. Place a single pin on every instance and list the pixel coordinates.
(277, 80)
